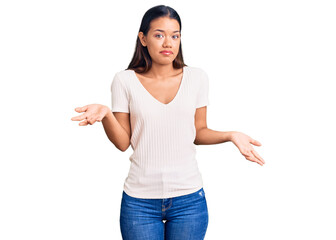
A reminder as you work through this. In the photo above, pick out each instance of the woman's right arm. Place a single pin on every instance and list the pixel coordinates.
(117, 128)
(116, 125)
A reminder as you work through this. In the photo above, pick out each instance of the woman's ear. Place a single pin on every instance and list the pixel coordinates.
(142, 38)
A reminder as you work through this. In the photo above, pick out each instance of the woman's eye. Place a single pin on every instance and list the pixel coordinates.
(175, 36)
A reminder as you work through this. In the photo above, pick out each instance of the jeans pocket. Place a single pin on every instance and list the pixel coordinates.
(201, 193)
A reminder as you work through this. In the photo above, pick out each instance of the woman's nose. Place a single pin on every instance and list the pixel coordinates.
(167, 42)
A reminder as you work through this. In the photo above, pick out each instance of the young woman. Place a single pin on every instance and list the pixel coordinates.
(159, 108)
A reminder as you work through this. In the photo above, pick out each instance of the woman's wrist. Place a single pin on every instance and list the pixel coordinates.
(231, 135)
(108, 114)
(226, 136)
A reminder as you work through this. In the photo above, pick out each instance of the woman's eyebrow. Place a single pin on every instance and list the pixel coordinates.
(164, 31)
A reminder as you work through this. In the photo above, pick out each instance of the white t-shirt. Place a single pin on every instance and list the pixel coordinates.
(163, 164)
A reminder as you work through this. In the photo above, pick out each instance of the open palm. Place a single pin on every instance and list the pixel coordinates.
(243, 142)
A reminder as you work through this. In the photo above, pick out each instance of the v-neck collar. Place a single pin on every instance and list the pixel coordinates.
(178, 91)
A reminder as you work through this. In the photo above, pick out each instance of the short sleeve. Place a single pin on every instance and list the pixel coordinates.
(119, 95)
(203, 92)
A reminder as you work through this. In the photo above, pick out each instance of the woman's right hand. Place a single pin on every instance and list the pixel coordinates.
(93, 113)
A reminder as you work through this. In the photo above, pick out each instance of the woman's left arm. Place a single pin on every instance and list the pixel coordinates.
(206, 136)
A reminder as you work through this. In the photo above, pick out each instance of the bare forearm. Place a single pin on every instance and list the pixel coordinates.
(206, 136)
(115, 132)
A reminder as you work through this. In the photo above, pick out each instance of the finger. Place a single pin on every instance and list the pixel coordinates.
(91, 120)
(84, 123)
(81, 109)
(79, 118)
(258, 156)
(245, 152)
(253, 159)
(255, 142)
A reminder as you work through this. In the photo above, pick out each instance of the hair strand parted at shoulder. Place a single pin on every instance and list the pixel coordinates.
(141, 61)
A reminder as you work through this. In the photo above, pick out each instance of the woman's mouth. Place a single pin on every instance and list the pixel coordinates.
(166, 52)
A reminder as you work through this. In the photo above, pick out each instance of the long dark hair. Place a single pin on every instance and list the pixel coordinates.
(141, 61)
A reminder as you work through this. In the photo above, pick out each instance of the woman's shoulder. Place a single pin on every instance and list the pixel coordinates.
(196, 70)
(123, 72)
(197, 73)
(123, 75)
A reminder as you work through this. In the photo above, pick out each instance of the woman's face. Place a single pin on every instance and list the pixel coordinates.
(163, 35)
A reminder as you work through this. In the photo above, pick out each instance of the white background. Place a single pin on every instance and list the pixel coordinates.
(271, 66)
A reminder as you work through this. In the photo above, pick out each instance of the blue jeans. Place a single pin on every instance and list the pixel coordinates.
(186, 217)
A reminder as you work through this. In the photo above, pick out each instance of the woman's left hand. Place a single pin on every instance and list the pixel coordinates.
(243, 142)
